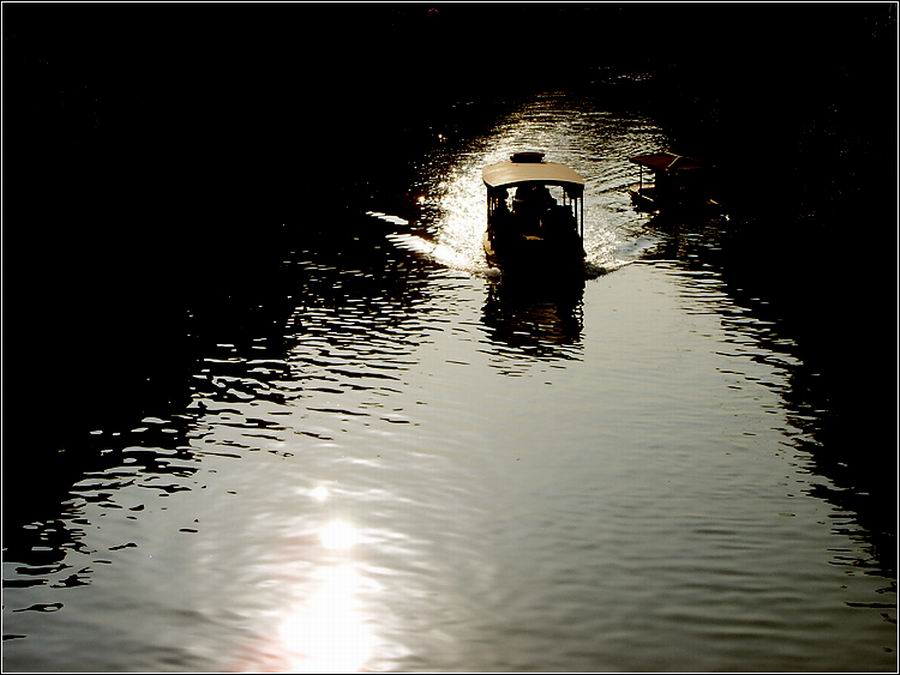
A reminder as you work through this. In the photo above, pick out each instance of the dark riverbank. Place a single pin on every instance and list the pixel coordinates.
(153, 154)
(797, 110)
(160, 153)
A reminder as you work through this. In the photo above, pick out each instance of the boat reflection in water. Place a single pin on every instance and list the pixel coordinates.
(537, 317)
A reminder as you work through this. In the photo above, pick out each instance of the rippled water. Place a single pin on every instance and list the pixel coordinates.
(424, 467)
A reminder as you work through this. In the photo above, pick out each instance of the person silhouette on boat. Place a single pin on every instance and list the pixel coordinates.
(532, 203)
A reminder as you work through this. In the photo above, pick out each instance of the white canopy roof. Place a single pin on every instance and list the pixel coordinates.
(507, 174)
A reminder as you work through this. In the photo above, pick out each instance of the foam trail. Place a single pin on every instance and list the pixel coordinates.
(592, 270)
(441, 253)
(388, 218)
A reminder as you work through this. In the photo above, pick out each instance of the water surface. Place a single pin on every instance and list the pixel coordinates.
(420, 465)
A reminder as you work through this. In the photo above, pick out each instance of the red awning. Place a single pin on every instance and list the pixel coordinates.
(667, 161)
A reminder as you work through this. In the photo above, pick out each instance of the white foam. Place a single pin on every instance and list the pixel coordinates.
(592, 270)
(442, 253)
(388, 218)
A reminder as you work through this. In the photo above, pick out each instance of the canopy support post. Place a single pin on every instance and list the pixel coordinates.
(581, 212)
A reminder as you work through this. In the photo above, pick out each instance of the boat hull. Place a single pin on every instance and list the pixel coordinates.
(647, 199)
(643, 199)
(534, 255)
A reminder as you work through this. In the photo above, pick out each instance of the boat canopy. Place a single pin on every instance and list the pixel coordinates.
(667, 161)
(510, 174)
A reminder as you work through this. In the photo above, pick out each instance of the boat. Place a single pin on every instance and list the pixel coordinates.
(535, 214)
(678, 183)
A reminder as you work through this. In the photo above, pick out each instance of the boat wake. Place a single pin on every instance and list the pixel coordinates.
(388, 218)
(447, 254)
(592, 270)
(466, 255)
(443, 254)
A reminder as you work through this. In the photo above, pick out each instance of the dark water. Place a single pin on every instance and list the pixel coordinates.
(389, 457)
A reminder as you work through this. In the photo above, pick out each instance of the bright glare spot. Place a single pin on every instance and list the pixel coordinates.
(328, 633)
(320, 494)
(339, 536)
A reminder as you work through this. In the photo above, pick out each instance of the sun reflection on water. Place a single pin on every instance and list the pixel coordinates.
(338, 535)
(327, 626)
(328, 632)
(320, 493)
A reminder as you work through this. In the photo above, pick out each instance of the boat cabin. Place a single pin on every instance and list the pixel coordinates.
(674, 182)
(535, 211)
